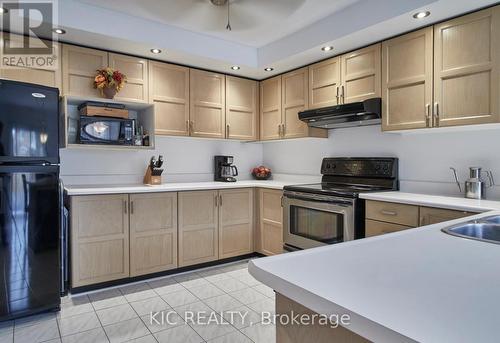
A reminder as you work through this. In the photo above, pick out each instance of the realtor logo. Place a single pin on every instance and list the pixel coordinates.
(28, 40)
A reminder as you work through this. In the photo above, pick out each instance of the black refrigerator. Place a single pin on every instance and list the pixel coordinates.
(30, 199)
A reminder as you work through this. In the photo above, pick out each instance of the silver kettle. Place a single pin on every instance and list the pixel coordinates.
(475, 186)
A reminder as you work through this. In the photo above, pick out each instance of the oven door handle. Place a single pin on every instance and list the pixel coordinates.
(319, 198)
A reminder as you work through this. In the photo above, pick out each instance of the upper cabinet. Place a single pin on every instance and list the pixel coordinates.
(169, 92)
(136, 70)
(270, 108)
(466, 69)
(281, 99)
(407, 81)
(79, 67)
(207, 104)
(324, 83)
(47, 77)
(361, 74)
(241, 108)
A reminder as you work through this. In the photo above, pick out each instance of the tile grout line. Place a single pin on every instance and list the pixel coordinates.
(99, 319)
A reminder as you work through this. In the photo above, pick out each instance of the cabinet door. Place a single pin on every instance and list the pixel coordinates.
(324, 83)
(99, 238)
(136, 71)
(294, 97)
(375, 228)
(198, 227)
(208, 104)
(361, 71)
(241, 108)
(271, 222)
(466, 67)
(46, 77)
(153, 233)
(169, 92)
(407, 81)
(270, 108)
(430, 215)
(235, 222)
(79, 67)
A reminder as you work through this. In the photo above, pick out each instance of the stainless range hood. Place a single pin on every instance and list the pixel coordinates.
(363, 113)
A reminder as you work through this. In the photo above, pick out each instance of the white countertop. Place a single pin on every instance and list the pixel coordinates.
(172, 187)
(453, 203)
(420, 284)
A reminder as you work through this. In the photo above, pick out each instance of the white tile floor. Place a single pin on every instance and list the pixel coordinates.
(122, 314)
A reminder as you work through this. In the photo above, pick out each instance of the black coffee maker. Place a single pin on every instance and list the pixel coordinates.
(224, 169)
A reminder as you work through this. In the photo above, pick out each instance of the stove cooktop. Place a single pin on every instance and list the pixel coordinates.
(327, 188)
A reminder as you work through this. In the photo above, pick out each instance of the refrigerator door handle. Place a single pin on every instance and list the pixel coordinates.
(63, 239)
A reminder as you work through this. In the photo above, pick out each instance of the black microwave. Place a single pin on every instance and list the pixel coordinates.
(106, 130)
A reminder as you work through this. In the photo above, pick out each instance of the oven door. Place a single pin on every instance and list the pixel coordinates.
(313, 220)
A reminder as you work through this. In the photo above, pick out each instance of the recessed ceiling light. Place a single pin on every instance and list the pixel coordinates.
(59, 31)
(156, 51)
(327, 48)
(421, 15)
(269, 69)
(3, 10)
(235, 68)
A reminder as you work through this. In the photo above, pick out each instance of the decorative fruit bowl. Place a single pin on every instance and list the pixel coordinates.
(261, 173)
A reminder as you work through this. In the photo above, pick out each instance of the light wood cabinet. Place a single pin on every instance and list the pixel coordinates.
(153, 233)
(294, 97)
(324, 83)
(375, 228)
(270, 233)
(241, 108)
(430, 215)
(270, 108)
(402, 214)
(407, 63)
(79, 67)
(169, 92)
(466, 69)
(236, 221)
(99, 238)
(207, 104)
(136, 70)
(198, 218)
(47, 77)
(361, 73)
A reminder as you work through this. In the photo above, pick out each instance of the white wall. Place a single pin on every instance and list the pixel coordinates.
(187, 160)
(424, 158)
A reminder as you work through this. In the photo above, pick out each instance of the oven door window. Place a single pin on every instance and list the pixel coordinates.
(322, 226)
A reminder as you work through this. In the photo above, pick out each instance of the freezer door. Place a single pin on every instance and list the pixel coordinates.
(29, 125)
(29, 240)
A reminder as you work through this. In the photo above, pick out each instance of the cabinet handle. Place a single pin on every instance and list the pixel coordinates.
(220, 200)
(283, 130)
(281, 200)
(125, 205)
(342, 96)
(279, 130)
(188, 127)
(337, 96)
(389, 213)
(227, 130)
(191, 126)
(427, 115)
(436, 113)
(131, 207)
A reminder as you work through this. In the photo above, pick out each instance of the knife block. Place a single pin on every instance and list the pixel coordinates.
(150, 179)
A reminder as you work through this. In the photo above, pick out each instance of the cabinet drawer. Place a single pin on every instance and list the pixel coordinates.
(430, 215)
(375, 228)
(393, 213)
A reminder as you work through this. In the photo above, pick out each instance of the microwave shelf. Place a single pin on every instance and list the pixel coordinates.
(70, 118)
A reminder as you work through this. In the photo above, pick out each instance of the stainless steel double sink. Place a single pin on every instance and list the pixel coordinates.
(486, 229)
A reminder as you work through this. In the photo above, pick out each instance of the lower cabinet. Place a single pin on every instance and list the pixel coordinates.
(198, 227)
(270, 233)
(236, 222)
(153, 233)
(386, 217)
(99, 238)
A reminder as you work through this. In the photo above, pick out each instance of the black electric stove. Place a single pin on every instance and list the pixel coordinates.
(331, 212)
